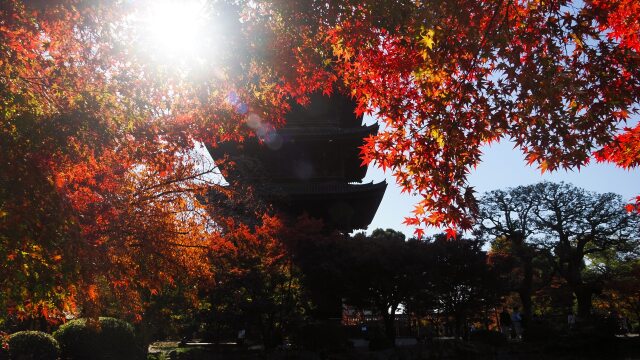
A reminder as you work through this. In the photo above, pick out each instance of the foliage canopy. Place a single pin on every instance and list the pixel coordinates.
(96, 136)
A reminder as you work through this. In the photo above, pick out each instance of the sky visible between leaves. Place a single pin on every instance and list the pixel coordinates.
(502, 167)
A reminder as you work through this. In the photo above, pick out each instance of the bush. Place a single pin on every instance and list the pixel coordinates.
(4, 353)
(109, 339)
(33, 345)
(489, 337)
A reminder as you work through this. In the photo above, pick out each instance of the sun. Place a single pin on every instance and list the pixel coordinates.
(176, 31)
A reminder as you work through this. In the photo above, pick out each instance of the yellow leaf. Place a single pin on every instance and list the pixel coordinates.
(427, 39)
(577, 40)
(435, 134)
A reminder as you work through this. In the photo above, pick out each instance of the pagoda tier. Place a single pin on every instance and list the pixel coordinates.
(341, 206)
(336, 111)
(301, 154)
(311, 165)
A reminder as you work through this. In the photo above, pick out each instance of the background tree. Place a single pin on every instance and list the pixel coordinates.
(618, 273)
(462, 281)
(507, 219)
(578, 223)
(382, 273)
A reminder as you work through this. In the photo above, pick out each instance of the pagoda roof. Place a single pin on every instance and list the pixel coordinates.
(346, 207)
(327, 133)
(297, 134)
(313, 188)
(335, 110)
(303, 145)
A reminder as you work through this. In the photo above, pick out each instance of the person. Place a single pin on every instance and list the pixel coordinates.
(364, 331)
(505, 323)
(613, 323)
(516, 322)
(571, 320)
(241, 335)
(624, 325)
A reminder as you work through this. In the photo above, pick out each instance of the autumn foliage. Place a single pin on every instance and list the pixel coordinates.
(97, 198)
(99, 189)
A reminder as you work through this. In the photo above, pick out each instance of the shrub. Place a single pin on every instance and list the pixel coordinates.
(109, 339)
(488, 337)
(33, 345)
(4, 352)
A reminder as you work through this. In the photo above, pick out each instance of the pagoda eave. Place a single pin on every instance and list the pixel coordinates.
(346, 207)
(324, 134)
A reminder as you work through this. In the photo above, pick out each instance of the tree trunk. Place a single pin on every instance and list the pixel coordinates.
(526, 291)
(389, 326)
(583, 297)
(527, 305)
(582, 292)
(458, 324)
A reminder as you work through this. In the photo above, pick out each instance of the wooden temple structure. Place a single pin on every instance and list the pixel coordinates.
(311, 165)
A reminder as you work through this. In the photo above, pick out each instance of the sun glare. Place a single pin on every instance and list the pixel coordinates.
(176, 31)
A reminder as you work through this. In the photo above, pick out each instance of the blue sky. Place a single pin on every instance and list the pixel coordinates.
(504, 167)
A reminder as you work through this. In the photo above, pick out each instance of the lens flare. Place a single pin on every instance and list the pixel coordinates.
(176, 31)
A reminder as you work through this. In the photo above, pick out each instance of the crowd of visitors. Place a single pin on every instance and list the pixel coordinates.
(511, 324)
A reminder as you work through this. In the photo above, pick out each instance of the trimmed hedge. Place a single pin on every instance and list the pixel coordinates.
(33, 345)
(110, 339)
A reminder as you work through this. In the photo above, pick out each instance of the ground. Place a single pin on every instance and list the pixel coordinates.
(620, 347)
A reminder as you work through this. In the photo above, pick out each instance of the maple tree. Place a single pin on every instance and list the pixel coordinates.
(257, 285)
(99, 227)
(527, 71)
(444, 82)
(96, 135)
(98, 196)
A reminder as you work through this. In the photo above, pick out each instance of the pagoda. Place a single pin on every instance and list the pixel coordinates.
(311, 165)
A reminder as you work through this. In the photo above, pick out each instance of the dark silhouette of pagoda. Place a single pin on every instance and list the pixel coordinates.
(311, 165)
